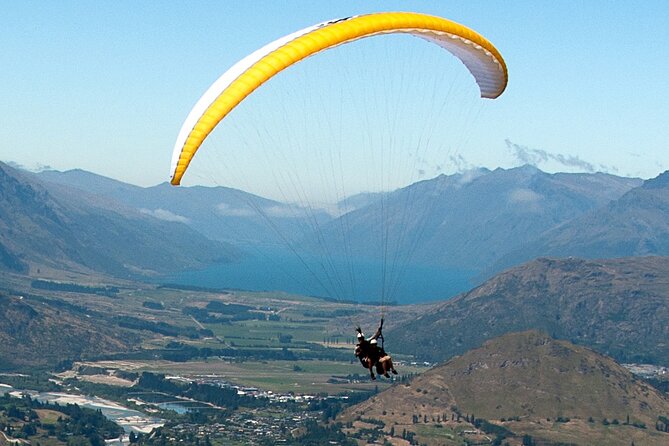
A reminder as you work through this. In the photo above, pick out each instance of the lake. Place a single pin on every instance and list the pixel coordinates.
(339, 279)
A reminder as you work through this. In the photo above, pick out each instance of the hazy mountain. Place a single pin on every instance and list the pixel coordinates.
(528, 379)
(619, 307)
(358, 201)
(635, 224)
(470, 220)
(49, 227)
(219, 213)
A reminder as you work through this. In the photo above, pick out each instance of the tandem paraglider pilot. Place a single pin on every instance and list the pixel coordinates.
(371, 354)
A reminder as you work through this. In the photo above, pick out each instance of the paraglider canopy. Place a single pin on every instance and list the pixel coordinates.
(480, 57)
(318, 165)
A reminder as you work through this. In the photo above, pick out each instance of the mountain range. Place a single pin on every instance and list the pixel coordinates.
(473, 219)
(635, 224)
(479, 220)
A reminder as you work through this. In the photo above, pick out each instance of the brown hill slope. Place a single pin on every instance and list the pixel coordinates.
(618, 307)
(35, 332)
(529, 378)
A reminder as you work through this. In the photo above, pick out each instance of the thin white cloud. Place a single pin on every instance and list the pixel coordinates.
(226, 210)
(535, 157)
(467, 176)
(524, 196)
(36, 167)
(164, 214)
(460, 163)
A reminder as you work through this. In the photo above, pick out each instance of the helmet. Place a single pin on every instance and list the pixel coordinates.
(373, 342)
(361, 336)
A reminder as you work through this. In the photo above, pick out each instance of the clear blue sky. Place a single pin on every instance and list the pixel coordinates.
(105, 86)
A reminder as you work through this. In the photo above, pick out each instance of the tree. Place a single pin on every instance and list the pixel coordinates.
(15, 412)
(96, 440)
(29, 429)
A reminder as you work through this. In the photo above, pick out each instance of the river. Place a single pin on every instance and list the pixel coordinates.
(128, 419)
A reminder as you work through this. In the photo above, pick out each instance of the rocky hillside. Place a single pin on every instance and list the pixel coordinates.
(529, 384)
(38, 332)
(618, 307)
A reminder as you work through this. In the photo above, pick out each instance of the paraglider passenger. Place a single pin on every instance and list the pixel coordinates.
(371, 354)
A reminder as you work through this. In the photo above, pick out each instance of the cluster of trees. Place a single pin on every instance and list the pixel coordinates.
(38, 380)
(180, 352)
(409, 436)
(184, 353)
(500, 432)
(61, 304)
(177, 286)
(331, 407)
(216, 306)
(456, 416)
(162, 437)
(374, 433)
(615, 422)
(319, 434)
(662, 424)
(151, 305)
(220, 313)
(110, 291)
(332, 314)
(163, 328)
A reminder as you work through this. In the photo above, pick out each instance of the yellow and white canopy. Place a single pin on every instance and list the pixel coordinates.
(480, 57)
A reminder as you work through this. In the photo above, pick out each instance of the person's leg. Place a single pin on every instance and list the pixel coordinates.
(391, 366)
(381, 367)
(370, 366)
